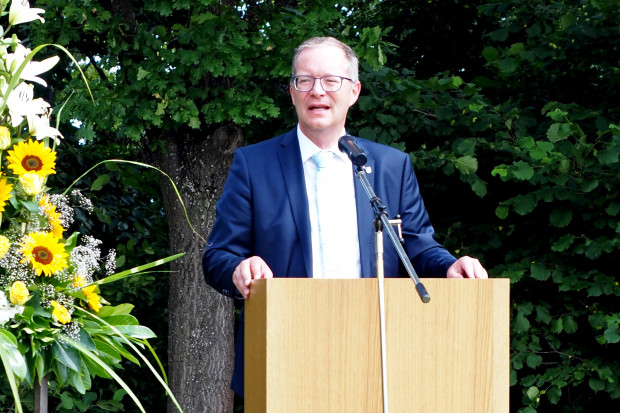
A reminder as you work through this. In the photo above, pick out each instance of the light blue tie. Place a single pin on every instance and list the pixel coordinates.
(326, 207)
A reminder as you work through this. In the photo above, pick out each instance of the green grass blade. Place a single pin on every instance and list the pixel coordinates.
(108, 370)
(146, 361)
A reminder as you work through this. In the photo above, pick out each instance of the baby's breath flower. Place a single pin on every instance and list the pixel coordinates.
(72, 330)
(81, 200)
(63, 208)
(110, 262)
(85, 258)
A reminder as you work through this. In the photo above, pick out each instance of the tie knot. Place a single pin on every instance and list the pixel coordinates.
(323, 158)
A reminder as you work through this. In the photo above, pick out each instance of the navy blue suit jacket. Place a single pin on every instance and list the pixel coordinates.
(264, 211)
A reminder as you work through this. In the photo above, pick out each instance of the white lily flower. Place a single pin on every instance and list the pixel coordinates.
(21, 103)
(39, 127)
(32, 69)
(20, 12)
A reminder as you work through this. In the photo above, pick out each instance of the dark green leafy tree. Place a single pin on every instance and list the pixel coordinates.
(533, 137)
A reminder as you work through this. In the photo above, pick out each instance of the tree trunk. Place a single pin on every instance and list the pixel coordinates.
(201, 321)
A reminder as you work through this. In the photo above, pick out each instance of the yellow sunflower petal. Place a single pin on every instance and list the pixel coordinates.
(45, 253)
(60, 313)
(32, 156)
(5, 192)
(53, 217)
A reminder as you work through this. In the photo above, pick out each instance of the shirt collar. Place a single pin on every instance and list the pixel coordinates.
(308, 148)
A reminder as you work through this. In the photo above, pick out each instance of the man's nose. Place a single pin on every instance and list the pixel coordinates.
(317, 87)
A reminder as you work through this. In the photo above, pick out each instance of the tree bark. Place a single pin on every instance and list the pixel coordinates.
(201, 321)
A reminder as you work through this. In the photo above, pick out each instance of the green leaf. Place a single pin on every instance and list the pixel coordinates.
(561, 217)
(521, 323)
(67, 356)
(543, 315)
(557, 115)
(110, 310)
(490, 53)
(596, 384)
(608, 156)
(142, 73)
(31, 206)
(10, 356)
(563, 243)
(523, 171)
(613, 208)
(589, 186)
(139, 332)
(540, 272)
(66, 400)
(100, 182)
(570, 325)
(509, 65)
(466, 164)
(500, 170)
(111, 372)
(612, 335)
(121, 319)
(532, 392)
(554, 394)
(524, 204)
(502, 211)
(534, 360)
(558, 132)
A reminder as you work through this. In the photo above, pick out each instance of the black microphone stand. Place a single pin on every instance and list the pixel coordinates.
(381, 223)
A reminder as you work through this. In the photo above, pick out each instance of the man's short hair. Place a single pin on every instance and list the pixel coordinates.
(330, 41)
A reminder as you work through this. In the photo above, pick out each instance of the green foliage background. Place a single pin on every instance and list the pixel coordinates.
(509, 109)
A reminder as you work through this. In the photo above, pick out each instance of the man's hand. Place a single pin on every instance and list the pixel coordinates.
(248, 270)
(467, 267)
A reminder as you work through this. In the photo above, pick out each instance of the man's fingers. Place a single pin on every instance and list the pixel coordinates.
(467, 267)
(247, 270)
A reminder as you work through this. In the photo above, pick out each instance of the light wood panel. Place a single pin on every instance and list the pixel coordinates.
(314, 346)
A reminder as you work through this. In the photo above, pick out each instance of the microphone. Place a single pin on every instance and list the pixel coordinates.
(348, 145)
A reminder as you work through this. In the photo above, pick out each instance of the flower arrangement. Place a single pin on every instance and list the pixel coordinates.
(54, 320)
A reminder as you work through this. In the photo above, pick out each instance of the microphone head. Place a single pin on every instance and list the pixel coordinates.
(348, 145)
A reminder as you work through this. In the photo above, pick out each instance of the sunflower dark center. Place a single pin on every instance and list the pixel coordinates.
(32, 163)
(42, 255)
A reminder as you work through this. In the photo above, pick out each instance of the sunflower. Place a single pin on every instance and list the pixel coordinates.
(60, 313)
(45, 253)
(5, 244)
(53, 217)
(5, 192)
(32, 156)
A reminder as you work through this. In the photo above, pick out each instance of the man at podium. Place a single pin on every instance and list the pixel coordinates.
(291, 205)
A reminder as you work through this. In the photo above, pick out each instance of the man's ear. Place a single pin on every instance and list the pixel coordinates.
(290, 90)
(355, 92)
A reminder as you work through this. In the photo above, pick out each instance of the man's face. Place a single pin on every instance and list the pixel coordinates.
(321, 114)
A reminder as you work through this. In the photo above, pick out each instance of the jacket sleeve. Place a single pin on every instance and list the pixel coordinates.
(429, 258)
(230, 241)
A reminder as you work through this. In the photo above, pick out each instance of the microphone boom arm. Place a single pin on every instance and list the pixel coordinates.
(381, 214)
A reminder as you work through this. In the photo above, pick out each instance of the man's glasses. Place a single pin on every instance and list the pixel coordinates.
(329, 83)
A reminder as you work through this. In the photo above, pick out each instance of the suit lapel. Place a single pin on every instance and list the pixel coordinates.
(365, 218)
(293, 172)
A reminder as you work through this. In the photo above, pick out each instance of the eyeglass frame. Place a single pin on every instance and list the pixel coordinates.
(295, 77)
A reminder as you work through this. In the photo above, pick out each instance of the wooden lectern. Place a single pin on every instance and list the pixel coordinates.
(314, 346)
